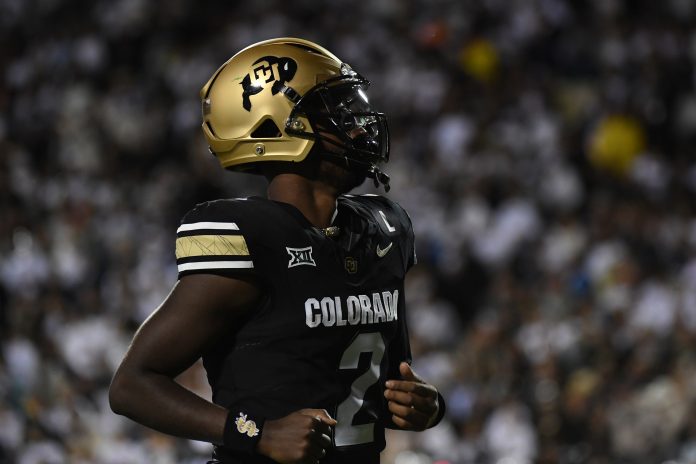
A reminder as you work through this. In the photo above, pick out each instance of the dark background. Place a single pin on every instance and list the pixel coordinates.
(544, 149)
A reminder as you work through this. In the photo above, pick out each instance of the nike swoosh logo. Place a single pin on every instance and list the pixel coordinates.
(381, 252)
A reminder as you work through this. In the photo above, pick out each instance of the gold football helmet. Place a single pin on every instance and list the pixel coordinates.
(275, 99)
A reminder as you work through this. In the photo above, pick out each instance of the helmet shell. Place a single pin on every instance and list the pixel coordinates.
(246, 103)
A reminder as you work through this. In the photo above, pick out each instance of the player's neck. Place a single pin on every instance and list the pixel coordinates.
(315, 200)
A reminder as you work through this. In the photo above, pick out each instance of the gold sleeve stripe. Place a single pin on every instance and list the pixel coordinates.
(211, 245)
(213, 265)
(207, 225)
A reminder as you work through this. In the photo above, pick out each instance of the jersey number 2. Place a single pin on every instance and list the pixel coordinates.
(346, 433)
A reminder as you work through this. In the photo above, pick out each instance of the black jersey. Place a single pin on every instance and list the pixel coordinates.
(331, 328)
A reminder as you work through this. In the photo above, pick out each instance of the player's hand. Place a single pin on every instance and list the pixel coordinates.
(298, 438)
(412, 402)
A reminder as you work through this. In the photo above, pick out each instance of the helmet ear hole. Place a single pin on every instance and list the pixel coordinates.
(266, 130)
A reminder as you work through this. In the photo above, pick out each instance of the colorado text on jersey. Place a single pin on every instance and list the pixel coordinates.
(360, 309)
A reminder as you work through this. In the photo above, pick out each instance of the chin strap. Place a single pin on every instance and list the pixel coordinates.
(379, 178)
(370, 170)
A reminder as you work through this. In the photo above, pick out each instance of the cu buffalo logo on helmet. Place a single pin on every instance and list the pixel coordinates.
(267, 69)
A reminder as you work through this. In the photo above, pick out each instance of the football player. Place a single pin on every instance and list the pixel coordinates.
(295, 302)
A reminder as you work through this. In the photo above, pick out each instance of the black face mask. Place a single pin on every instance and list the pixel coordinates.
(341, 116)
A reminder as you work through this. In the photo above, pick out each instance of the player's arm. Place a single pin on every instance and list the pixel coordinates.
(200, 310)
(414, 404)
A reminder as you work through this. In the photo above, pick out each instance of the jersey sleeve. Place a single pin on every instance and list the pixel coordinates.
(211, 241)
(412, 258)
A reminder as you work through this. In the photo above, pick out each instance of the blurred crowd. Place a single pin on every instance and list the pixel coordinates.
(545, 150)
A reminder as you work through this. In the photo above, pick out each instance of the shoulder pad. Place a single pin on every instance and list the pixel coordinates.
(392, 220)
(389, 215)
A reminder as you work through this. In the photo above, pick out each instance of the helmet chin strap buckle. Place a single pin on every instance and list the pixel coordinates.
(378, 177)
